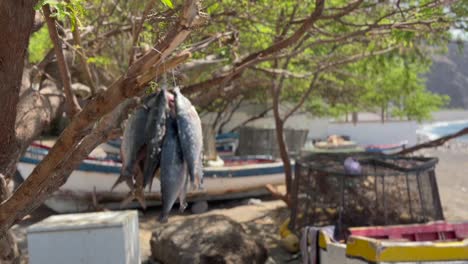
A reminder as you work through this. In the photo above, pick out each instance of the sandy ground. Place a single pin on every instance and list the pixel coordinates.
(452, 179)
(262, 219)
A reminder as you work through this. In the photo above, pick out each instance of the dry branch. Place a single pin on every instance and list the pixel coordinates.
(304, 97)
(251, 119)
(434, 143)
(72, 102)
(137, 30)
(255, 57)
(86, 71)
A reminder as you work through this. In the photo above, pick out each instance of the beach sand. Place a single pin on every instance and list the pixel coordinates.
(452, 179)
(261, 220)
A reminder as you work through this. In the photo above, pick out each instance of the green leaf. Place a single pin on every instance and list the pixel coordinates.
(99, 61)
(168, 3)
(39, 45)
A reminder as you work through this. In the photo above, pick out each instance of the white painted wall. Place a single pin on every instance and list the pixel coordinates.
(377, 133)
(368, 131)
(297, 121)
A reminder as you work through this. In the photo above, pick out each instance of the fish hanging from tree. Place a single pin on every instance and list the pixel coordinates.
(155, 132)
(173, 171)
(190, 136)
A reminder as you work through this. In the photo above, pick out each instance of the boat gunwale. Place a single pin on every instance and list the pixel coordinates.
(245, 170)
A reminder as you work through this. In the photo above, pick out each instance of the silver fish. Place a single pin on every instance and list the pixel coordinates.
(155, 131)
(132, 152)
(132, 142)
(191, 137)
(173, 170)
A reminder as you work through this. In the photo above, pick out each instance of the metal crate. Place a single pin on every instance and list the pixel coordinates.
(389, 190)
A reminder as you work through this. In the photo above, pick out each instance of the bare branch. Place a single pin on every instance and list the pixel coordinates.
(434, 143)
(286, 73)
(255, 57)
(343, 11)
(136, 32)
(303, 98)
(86, 71)
(231, 113)
(327, 65)
(252, 118)
(72, 102)
(196, 64)
(206, 42)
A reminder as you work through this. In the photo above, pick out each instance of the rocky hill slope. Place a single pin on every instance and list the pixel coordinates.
(449, 75)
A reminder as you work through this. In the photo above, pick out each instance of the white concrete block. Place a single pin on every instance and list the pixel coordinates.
(104, 238)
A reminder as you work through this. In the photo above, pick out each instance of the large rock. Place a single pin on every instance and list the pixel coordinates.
(213, 239)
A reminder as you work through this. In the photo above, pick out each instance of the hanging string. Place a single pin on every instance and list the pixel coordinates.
(164, 70)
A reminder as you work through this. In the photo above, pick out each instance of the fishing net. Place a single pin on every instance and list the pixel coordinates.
(388, 190)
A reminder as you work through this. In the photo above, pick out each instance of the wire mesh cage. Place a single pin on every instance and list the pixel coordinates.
(384, 190)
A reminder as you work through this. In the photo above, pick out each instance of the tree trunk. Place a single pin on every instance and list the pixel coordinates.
(16, 22)
(73, 105)
(382, 114)
(283, 150)
(355, 118)
(209, 142)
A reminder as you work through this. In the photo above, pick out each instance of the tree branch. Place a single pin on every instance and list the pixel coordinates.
(230, 115)
(255, 57)
(86, 71)
(252, 118)
(434, 143)
(72, 102)
(303, 98)
(284, 72)
(136, 32)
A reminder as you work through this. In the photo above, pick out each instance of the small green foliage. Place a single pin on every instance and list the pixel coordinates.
(168, 3)
(152, 87)
(62, 10)
(39, 45)
(100, 61)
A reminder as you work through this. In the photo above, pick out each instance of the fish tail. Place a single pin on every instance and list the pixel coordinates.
(157, 174)
(182, 205)
(192, 177)
(183, 195)
(123, 177)
(163, 218)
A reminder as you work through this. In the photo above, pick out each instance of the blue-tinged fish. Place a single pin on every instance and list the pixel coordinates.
(132, 142)
(173, 170)
(132, 151)
(155, 131)
(190, 136)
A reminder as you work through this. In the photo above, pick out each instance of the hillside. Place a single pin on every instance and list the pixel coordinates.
(449, 76)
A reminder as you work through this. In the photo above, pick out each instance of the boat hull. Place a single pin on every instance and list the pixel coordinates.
(93, 180)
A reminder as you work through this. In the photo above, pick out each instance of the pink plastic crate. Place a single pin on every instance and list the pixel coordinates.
(434, 231)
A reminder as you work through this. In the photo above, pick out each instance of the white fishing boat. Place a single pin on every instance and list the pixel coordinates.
(89, 185)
